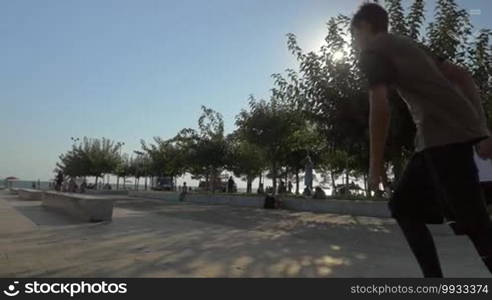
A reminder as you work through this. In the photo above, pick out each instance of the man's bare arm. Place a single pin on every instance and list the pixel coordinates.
(378, 128)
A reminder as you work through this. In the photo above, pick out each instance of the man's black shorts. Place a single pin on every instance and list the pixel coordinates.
(441, 184)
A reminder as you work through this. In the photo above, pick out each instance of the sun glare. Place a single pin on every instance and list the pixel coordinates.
(338, 55)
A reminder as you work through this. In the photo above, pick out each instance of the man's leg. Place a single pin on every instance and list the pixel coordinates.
(456, 174)
(412, 204)
(420, 240)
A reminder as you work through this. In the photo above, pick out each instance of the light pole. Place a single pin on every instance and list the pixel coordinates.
(120, 146)
(74, 141)
(140, 156)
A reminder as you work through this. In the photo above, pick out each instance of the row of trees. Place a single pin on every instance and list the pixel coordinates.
(320, 110)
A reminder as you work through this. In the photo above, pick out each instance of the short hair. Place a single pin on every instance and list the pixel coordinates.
(374, 14)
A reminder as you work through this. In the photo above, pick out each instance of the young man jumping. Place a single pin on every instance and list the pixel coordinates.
(440, 183)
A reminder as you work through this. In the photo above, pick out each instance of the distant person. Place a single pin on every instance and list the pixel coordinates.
(272, 202)
(230, 185)
(319, 193)
(184, 191)
(33, 185)
(306, 192)
(261, 189)
(281, 187)
(59, 181)
(72, 185)
(83, 186)
(290, 186)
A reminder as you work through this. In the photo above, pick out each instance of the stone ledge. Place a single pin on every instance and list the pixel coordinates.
(30, 194)
(84, 207)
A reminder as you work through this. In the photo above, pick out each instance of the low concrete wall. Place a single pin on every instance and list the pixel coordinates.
(30, 194)
(234, 200)
(107, 192)
(346, 207)
(166, 196)
(83, 207)
(343, 207)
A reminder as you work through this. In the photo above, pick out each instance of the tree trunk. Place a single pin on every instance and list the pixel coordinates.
(117, 182)
(366, 186)
(333, 183)
(213, 181)
(97, 178)
(274, 169)
(297, 182)
(249, 185)
(145, 182)
(346, 182)
(124, 182)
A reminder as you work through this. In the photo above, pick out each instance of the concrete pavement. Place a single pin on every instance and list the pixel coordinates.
(149, 238)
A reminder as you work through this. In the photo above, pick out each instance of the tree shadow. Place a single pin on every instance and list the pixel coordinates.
(155, 239)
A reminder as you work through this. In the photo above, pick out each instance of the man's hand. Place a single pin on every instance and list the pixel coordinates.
(485, 148)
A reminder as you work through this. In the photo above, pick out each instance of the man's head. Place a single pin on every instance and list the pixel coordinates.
(370, 20)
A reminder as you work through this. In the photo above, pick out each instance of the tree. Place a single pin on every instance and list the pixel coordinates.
(396, 17)
(163, 158)
(415, 19)
(122, 170)
(205, 150)
(245, 159)
(91, 157)
(269, 126)
(448, 36)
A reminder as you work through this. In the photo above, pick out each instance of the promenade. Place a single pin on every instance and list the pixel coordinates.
(152, 238)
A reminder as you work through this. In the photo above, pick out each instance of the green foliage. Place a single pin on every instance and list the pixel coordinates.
(320, 109)
(448, 35)
(91, 157)
(244, 159)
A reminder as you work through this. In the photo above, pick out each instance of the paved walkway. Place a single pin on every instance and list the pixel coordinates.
(149, 238)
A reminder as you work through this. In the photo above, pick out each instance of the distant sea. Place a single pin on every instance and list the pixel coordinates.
(44, 185)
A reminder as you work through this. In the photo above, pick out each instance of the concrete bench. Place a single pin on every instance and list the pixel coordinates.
(30, 194)
(83, 207)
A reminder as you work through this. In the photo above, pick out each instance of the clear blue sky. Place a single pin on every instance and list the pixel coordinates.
(128, 70)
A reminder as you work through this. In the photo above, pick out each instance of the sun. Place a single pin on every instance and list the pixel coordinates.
(338, 55)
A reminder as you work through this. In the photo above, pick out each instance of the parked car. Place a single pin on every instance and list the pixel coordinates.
(220, 186)
(164, 184)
